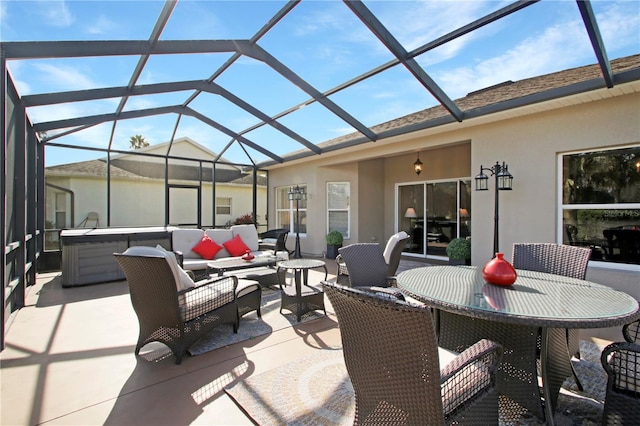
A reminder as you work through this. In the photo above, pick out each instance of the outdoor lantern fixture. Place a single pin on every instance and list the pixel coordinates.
(297, 194)
(503, 182)
(417, 166)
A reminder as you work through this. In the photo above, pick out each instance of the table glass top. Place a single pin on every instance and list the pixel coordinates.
(536, 295)
(301, 263)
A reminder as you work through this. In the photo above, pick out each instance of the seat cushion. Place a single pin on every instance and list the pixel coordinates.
(246, 286)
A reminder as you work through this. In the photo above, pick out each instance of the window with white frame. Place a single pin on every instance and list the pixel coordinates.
(601, 203)
(288, 210)
(223, 205)
(338, 207)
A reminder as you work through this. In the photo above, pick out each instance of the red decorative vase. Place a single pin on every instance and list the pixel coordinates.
(248, 256)
(499, 271)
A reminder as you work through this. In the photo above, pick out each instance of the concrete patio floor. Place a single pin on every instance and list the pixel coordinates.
(69, 361)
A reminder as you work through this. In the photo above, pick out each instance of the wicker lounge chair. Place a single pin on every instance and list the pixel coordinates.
(175, 318)
(559, 259)
(367, 263)
(621, 362)
(394, 363)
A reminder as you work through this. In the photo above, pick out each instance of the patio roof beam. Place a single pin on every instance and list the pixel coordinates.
(232, 134)
(256, 52)
(200, 85)
(110, 92)
(591, 25)
(507, 10)
(548, 95)
(80, 49)
(257, 36)
(217, 89)
(168, 7)
(394, 46)
(175, 109)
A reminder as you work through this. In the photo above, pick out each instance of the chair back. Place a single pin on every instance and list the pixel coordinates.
(365, 263)
(153, 291)
(393, 251)
(391, 355)
(621, 362)
(559, 259)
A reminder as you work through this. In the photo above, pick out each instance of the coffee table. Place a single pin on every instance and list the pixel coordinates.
(220, 266)
(301, 297)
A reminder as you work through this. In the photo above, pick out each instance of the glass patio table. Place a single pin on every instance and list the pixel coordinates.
(468, 309)
(301, 297)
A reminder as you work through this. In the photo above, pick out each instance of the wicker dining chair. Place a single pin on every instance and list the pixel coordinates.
(621, 362)
(631, 332)
(392, 254)
(398, 373)
(559, 259)
(176, 318)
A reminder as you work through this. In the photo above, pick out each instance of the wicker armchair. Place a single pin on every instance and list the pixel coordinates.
(631, 332)
(559, 259)
(274, 239)
(621, 362)
(394, 363)
(175, 318)
(358, 257)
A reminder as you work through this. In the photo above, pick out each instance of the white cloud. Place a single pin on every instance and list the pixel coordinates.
(55, 13)
(64, 77)
(620, 25)
(556, 48)
(102, 25)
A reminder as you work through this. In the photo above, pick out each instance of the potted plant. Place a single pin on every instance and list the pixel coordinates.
(334, 242)
(459, 251)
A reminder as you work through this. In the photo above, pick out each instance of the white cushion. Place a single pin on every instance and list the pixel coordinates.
(183, 240)
(182, 279)
(249, 235)
(393, 241)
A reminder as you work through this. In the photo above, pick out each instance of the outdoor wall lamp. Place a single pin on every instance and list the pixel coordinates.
(297, 194)
(417, 166)
(503, 182)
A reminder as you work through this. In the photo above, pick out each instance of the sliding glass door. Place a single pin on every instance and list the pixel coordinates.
(434, 213)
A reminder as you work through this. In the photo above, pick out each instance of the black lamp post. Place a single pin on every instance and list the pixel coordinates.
(297, 194)
(503, 182)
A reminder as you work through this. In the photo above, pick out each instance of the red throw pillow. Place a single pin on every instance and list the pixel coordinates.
(235, 246)
(206, 248)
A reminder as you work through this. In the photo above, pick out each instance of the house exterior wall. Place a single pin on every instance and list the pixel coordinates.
(529, 144)
(136, 202)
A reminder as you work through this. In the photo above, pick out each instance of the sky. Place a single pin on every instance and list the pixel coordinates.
(322, 42)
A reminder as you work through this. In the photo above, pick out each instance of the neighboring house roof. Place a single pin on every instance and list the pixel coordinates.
(529, 90)
(92, 168)
(132, 166)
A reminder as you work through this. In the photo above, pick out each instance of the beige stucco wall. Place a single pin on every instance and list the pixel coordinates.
(529, 144)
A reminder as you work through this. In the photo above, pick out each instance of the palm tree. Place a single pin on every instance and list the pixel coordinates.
(138, 141)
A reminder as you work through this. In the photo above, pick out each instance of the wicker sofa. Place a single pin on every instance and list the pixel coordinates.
(184, 241)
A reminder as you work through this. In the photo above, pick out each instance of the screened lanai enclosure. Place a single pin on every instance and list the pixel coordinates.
(172, 113)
